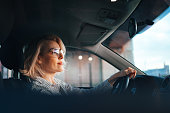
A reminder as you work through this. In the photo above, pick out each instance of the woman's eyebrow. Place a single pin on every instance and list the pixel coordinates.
(55, 48)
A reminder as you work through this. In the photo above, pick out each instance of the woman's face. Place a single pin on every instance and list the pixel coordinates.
(51, 59)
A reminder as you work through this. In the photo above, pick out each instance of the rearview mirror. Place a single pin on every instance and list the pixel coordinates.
(132, 27)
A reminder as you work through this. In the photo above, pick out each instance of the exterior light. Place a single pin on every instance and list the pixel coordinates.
(90, 58)
(113, 0)
(80, 57)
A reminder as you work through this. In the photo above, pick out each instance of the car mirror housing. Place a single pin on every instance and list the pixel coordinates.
(132, 27)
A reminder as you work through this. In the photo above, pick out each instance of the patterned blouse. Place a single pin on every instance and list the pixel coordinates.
(42, 86)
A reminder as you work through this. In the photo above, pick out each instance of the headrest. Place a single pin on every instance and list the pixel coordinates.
(11, 54)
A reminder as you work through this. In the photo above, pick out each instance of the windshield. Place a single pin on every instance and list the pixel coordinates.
(149, 49)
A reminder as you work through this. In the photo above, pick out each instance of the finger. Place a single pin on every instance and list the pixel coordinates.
(134, 74)
(126, 72)
(130, 76)
(130, 71)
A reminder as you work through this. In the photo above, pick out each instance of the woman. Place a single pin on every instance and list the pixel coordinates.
(45, 57)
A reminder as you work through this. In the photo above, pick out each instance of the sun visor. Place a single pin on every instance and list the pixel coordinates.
(90, 34)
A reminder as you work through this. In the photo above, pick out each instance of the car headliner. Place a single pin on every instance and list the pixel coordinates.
(77, 22)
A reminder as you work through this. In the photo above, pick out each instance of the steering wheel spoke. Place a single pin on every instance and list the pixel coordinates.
(120, 86)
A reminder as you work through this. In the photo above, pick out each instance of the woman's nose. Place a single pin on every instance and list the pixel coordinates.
(61, 56)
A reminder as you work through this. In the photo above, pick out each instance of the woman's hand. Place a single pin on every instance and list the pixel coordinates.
(126, 72)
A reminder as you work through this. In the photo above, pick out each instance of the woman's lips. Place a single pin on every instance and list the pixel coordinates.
(60, 63)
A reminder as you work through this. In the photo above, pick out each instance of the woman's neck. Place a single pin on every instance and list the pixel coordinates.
(49, 78)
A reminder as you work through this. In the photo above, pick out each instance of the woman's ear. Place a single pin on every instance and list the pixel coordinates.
(39, 60)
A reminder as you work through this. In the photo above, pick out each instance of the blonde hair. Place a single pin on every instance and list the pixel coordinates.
(32, 51)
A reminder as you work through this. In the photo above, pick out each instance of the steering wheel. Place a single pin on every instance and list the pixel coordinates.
(120, 86)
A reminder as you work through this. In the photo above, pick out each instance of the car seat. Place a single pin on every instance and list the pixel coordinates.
(11, 56)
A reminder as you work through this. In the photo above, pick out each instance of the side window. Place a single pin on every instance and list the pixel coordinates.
(84, 69)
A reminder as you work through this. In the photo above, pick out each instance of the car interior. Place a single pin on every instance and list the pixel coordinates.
(82, 24)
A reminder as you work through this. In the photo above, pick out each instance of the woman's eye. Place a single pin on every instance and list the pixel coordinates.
(56, 51)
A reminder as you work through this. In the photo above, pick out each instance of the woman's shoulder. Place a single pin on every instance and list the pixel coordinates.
(42, 86)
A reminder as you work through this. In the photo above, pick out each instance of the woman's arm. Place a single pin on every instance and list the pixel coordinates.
(103, 88)
(126, 72)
